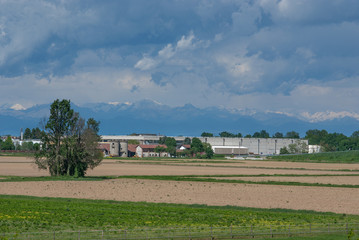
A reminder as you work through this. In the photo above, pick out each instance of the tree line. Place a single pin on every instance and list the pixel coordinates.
(260, 134)
(328, 141)
(198, 149)
(8, 144)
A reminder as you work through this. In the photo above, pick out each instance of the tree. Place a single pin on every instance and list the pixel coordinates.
(208, 150)
(132, 141)
(315, 136)
(187, 141)
(159, 149)
(278, 135)
(27, 146)
(283, 150)
(70, 146)
(171, 144)
(196, 145)
(227, 134)
(355, 134)
(162, 140)
(261, 134)
(292, 134)
(8, 144)
(27, 133)
(206, 134)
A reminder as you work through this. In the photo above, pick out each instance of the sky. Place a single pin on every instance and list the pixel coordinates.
(296, 57)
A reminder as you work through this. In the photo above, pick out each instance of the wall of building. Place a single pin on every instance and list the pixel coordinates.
(265, 146)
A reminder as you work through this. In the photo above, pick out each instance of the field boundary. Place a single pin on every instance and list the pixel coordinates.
(231, 232)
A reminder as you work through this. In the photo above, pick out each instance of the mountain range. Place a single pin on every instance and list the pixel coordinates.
(147, 116)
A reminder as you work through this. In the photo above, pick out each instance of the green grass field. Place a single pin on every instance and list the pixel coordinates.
(26, 214)
(327, 157)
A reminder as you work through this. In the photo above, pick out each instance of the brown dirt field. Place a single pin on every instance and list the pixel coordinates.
(125, 169)
(264, 164)
(22, 166)
(338, 180)
(338, 200)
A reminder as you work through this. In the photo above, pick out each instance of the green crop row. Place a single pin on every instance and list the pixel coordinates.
(326, 157)
(26, 214)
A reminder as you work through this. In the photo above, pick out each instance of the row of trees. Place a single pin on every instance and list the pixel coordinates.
(198, 149)
(260, 134)
(7, 144)
(333, 141)
(34, 133)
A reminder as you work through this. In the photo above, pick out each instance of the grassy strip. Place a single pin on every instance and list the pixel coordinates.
(51, 178)
(202, 179)
(24, 214)
(332, 236)
(16, 154)
(327, 157)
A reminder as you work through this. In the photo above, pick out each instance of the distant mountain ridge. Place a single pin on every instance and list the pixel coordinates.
(147, 116)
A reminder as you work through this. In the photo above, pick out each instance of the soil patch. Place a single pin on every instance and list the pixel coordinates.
(324, 199)
(338, 180)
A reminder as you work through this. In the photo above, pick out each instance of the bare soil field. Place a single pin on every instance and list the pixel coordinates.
(263, 164)
(337, 180)
(21, 166)
(339, 200)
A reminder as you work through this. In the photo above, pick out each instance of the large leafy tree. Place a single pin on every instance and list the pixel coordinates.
(70, 146)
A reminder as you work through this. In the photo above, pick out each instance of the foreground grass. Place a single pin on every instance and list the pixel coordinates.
(26, 214)
(327, 157)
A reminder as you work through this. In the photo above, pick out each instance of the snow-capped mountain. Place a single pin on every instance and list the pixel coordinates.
(148, 116)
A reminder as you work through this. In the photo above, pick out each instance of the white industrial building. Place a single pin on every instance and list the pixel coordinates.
(257, 146)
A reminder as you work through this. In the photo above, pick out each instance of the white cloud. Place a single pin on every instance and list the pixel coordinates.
(186, 42)
(145, 63)
(167, 52)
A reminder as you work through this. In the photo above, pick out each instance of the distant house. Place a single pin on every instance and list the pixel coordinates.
(149, 151)
(105, 148)
(184, 147)
(132, 150)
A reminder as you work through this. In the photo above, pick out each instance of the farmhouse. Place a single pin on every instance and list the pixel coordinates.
(149, 151)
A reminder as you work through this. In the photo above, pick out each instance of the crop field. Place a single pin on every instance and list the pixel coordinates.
(160, 193)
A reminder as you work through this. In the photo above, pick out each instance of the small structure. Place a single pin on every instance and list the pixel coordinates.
(230, 150)
(184, 147)
(313, 148)
(132, 150)
(149, 151)
(110, 148)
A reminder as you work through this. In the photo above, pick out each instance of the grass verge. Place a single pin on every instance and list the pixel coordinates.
(26, 214)
(327, 157)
